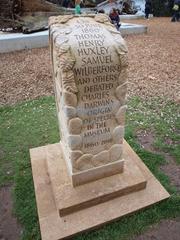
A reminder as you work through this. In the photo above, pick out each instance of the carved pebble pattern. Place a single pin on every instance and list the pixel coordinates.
(84, 162)
(118, 134)
(70, 112)
(75, 126)
(70, 99)
(123, 76)
(66, 63)
(120, 115)
(79, 160)
(121, 92)
(101, 158)
(74, 155)
(75, 142)
(115, 152)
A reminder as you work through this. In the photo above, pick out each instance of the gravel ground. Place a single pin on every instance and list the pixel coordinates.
(155, 60)
(153, 71)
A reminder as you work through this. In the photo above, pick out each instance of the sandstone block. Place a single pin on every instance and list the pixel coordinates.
(115, 152)
(75, 126)
(75, 142)
(121, 92)
(74, 155)
(101, 158)
(70, 99)
(84, 162)
(120, 115)
(118, 134)
(70, 112)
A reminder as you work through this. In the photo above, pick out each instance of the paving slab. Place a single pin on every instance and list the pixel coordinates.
(19, 41)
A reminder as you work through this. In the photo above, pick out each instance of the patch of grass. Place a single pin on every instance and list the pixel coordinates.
(33, 124)
(152, 160)
(24, 126)
(160, 117)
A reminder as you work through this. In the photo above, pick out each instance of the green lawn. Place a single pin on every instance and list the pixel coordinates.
(34, 123)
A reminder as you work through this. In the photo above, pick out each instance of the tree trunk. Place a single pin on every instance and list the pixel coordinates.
(39, 6)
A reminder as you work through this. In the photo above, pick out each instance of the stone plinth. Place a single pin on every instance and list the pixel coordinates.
(55, 227)
(69, 199)
(89, 64)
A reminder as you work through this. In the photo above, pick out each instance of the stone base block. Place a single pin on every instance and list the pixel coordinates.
(55, 227)
(69, 199)
(97, 173)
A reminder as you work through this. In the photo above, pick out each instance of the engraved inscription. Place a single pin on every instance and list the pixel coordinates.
(96, 74)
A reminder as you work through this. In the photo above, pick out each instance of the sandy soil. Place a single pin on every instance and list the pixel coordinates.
(9, 227)
(154, 60)
(165, 230)
(153, 66)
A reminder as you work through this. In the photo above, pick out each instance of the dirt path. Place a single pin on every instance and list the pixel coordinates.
(9, 228)
(171, 168)
(165, 230)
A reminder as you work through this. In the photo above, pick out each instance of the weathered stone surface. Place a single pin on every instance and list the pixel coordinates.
(89, 61)
(123, 76)
(101, 158)
(120, 115)
(75, 126)
(116, 105)
(70, 99)
(115, 152)
(70, 112)
(74, 155)
(75, 142)
(121, 92)
(124, 60)
(84, 162)
(118, 134)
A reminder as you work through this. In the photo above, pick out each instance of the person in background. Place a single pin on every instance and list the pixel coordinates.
(77, 7)
(148, 8)
(176, 11)
(115, 19)
(65, 3)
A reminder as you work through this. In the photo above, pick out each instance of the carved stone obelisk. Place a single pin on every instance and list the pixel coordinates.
(92, 176)
(89, 64)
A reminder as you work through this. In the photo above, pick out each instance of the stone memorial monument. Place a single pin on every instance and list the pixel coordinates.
(90, 63)
(92, 176)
